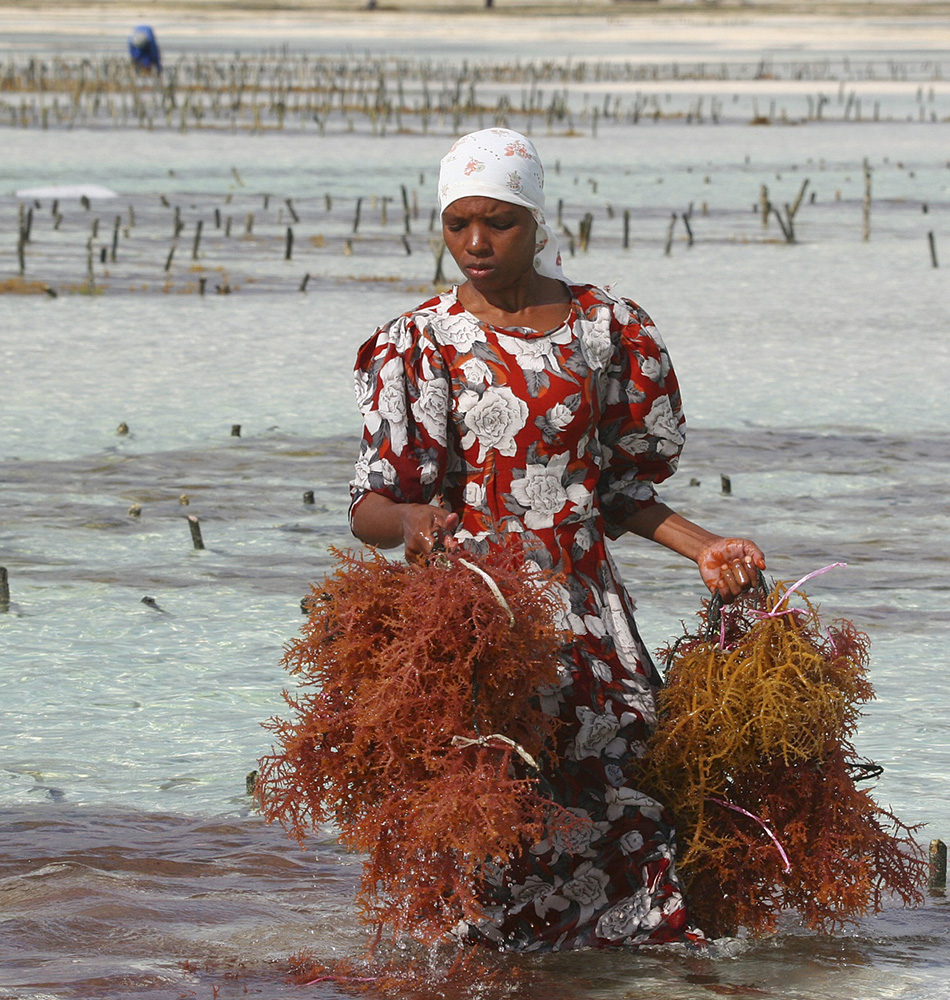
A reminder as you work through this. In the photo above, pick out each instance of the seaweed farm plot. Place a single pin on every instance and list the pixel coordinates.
(323, 95)
(220, 236)
(197, 243)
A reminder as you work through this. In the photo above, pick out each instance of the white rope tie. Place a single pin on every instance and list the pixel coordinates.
(486, 741)
(499, 596)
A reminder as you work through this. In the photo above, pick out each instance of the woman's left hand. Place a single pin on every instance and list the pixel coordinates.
(729, 566)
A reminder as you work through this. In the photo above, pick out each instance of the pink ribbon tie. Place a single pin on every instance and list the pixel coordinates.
(761, 822)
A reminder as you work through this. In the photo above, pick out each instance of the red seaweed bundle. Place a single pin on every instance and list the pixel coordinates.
(415, 727)
(753, 756)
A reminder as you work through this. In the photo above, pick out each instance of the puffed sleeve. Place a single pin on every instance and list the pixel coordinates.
(642, 428)
(402, 390)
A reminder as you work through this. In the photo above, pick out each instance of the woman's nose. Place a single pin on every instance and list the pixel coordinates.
(478, 241)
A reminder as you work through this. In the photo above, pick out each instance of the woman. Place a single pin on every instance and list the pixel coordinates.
(520, 403)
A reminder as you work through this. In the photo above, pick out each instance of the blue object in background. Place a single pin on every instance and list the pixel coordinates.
(143, 48)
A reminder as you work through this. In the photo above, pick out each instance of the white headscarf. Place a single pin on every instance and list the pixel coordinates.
(502, 164)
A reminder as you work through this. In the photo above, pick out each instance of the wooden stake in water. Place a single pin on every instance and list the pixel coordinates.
(584, 230)
(4, 589)
(439, 277)
(933, 248)
(195, 528)
(866, 232)
(765, 206)
(938, 864)
(669, 235)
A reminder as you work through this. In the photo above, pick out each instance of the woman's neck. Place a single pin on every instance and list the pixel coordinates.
(542, 304)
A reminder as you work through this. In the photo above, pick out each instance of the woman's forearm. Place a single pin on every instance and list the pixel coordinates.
(378, 521)
(420, 527)
(663, 525)
(727, 566)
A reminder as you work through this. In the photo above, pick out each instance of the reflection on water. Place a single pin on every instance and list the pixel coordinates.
(102, 901)
(153, 905)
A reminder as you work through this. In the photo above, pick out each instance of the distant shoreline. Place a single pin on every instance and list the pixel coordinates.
(307, 10)
(532, 29)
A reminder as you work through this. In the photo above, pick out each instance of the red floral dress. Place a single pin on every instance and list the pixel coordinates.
(557, 437)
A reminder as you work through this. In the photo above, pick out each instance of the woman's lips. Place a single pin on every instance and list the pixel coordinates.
(478, 270)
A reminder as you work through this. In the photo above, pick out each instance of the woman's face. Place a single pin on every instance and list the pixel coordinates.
(492, 241)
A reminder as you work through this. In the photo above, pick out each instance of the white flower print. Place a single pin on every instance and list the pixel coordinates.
(598, 730)
(392, 403)
(614, 774)
(614, 617)
(542, 492)
(595, 342)
(361, 471)
(661, 423)
(587, 887)
(572, 836)
(625, 918)
(620, 799)
(595, 625)
(634, 444)
(363, 385)
(476, 373)
(623, 312)
(432, 407)
(493, 873)
(559, 416)
(401, 333)
(631, 842)
(550, 698)
(474, 495)
(542, 893)
(583, 538)
(599, 668)
(456, 330)
(652, 369)
(533, 887)
(493, 419)
(532, 353)
(428, 470)
(564, 616)
(368, 466)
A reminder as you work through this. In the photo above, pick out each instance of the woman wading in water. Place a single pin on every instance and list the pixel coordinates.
(519, 403)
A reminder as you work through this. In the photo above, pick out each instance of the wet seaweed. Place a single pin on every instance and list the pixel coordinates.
(415, 728)
(753, 755)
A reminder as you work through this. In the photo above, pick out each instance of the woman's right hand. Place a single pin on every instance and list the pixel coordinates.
(425, 527)
(418, 527)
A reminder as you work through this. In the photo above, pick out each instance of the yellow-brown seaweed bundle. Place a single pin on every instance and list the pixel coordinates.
(753, 757)
(415, 716)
